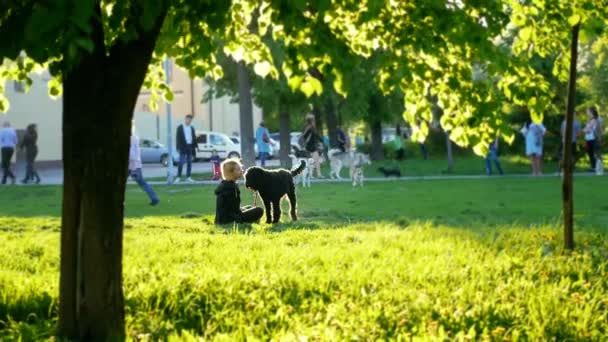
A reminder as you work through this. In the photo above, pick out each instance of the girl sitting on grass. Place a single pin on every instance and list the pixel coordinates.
(228, 203)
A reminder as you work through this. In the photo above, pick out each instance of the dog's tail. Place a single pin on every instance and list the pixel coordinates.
(299, 169)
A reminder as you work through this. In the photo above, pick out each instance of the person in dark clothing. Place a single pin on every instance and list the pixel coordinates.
(341, 137)
(228, 197)
(186, 146)
(29, 143)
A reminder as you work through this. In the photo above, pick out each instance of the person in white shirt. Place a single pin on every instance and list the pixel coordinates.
(534, 134)
(135, 169)
(8, 142)
(186, 146)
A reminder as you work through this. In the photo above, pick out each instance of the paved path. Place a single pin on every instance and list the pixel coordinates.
(54, 176)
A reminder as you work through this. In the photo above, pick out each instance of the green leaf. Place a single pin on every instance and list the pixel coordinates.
(262, 69)
(168, 95)
(307, 88)
(86, 44)
(574, 19)
(55, 88)
(525, 34)
(4, 104)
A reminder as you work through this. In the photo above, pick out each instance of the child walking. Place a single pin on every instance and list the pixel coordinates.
(228, 203)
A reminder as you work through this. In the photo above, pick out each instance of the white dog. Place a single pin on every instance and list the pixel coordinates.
(306, 174)
(357, 177)
(352, 160)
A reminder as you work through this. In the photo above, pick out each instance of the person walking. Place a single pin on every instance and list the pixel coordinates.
(310, 140)
(262, 138)
(593, 134)
(135, 166)
(30, 144)
(493, 156)
(534, 134)
(8, 142)
(186, 146)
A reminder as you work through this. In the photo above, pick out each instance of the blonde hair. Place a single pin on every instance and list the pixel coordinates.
(228, 167)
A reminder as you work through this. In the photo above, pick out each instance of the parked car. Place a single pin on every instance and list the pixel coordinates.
(154, 152)
(293, 139)
(209, 141)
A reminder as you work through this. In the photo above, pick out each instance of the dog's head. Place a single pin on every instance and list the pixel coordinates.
(253, 178)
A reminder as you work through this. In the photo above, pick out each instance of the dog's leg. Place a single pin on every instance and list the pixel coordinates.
(268, 211)
(276, 211)
(292, 204)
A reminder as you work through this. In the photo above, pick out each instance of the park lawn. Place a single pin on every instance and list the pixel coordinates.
(463, 165)
(444, 259)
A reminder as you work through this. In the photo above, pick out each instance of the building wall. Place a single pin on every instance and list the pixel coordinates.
(36, 106)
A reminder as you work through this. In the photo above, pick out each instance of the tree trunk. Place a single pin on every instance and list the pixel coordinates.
(318, 118)
(98, 101)
(332, 122)
(376, 151)
(567, 186)
(246, 116)
(448, 146)
(284, 136)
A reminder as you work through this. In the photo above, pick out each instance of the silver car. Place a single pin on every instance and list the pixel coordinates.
(154, 152)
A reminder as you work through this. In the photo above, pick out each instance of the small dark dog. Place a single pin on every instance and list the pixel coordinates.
(390, 172)
(272, 185)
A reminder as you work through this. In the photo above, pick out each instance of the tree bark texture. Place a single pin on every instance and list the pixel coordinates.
(567, 184)
(246, 116)
(332, 122)
(316, 111)
(284, 137)
(99, 95)
(450, 153)
(376, 151)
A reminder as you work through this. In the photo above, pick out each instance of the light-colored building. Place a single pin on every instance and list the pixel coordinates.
(36, 106)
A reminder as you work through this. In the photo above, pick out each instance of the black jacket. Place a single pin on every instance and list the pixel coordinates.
(181, 140)
(228, 203)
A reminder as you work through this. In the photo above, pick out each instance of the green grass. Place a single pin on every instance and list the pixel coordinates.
(463, 165)
(452, 259)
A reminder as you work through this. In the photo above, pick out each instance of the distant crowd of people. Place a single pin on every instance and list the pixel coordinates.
(9, 142)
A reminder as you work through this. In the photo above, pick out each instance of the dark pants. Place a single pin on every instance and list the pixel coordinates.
(492, 156)
(7, 154)
(185, 157)
(400, 154)
(263, 158)
(425, 153)
(251, 214)
(139, 178)
(30, 171)
(591, 152)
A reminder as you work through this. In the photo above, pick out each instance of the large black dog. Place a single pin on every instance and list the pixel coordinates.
(272, 185)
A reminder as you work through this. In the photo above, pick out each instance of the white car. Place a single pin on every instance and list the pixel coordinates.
(207, 142)
(225, 146)
(293, 140)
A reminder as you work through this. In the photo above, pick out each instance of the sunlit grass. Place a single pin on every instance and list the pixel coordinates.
(466, 259)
